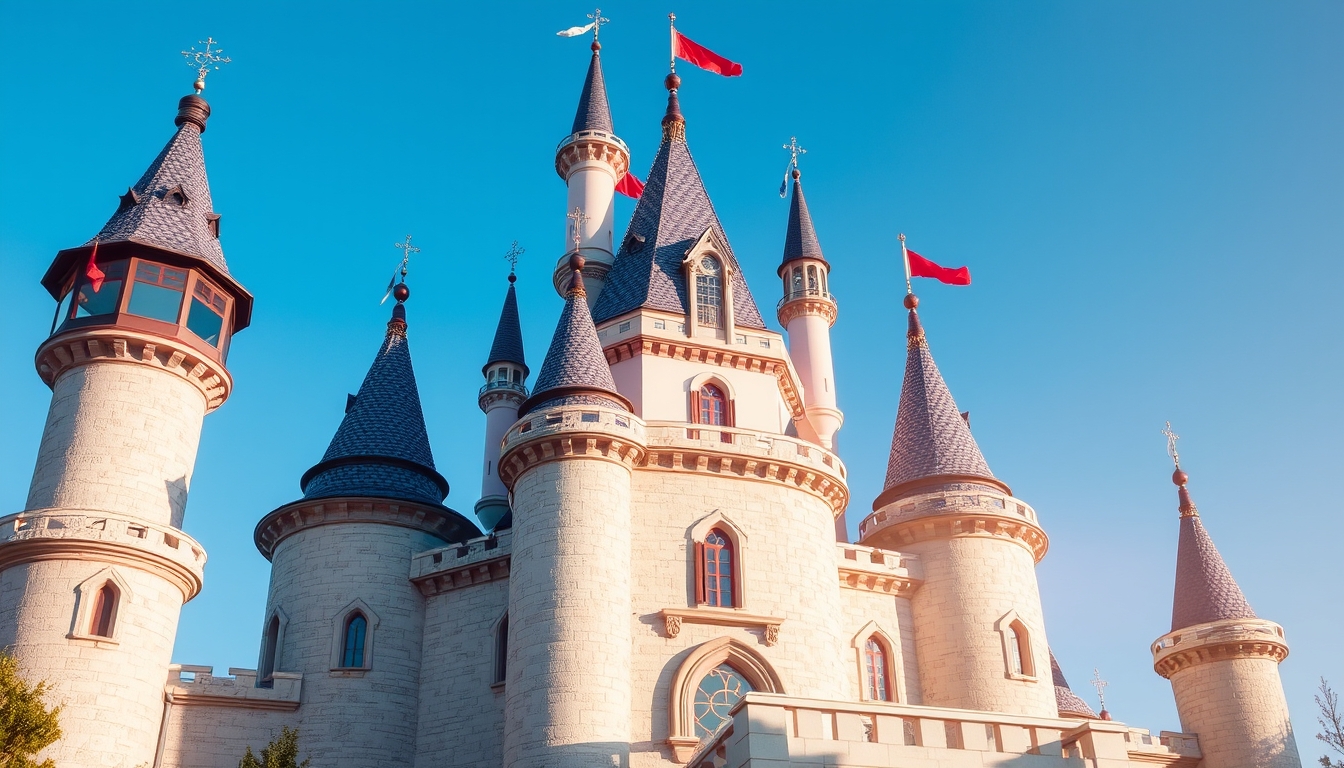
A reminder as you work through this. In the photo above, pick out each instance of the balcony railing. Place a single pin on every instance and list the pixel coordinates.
(503, 384)
(807, 293)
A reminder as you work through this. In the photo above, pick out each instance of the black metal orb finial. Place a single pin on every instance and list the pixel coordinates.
(401, 292)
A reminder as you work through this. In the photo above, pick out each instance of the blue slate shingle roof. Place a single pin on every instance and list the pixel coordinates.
(508, 344)
(161, 218)
(931, 438)
(800, 241)
(673, 212)
(1066, 701)
(593, 114)
(1205, 589)
(382, 448)
(575, 369)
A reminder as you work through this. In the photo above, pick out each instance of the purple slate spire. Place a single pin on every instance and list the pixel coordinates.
(1205, 589)
(508, 344)
(594, 114)
(800, 242)
(932, 441)
(1067, 702)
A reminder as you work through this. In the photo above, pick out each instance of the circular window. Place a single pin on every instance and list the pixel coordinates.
(709, 265)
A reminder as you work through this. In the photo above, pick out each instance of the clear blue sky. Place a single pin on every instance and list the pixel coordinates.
(1148, 194)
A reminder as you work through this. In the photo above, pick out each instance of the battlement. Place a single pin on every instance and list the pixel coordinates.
(1217, 640)
(36, 533)
(571, 431)
(781, 730)
(190, 685)
(462, 565)
(956, 512)
(878, 570)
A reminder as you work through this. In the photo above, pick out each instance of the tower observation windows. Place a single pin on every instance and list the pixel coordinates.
(157, 291)
(97, 300)
(206, 316)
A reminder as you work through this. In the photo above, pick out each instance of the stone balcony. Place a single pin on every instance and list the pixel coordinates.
(190, 685)
(772, 731)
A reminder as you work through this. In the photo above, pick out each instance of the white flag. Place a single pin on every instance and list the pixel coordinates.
(575, 31)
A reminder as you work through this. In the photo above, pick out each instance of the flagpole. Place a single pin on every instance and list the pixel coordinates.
(905, 257)
(672, 41)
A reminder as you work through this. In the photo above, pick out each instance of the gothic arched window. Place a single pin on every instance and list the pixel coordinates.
(709, 293)
(1019, 649)
(713, 406)
(715, 696)
(502, 649)
(356, 630)
(270, 648)
(714, 584)
(104, 611)
(875, 665)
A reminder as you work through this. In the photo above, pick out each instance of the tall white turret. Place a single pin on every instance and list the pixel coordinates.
(504, 390)
(591, 160)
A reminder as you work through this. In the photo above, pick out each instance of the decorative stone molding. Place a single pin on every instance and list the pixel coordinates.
(592, 146)
(564, 432)
(496, 392)
(1218, 641)
(681, 693)
(74, 348)
(955, 513)
(895, 660)
(673, 618)
(301, 515)
(766, 457)
(876, 570)
(821, 306)
(85, 534)
(203, 689)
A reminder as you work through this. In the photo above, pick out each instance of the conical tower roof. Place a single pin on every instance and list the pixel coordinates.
(1205, 589)
(575, 370)
(381, 448)
(594, 114)
(1068, 703)
(800, 242)
(673, 212)
(932, 442)
(508, 343)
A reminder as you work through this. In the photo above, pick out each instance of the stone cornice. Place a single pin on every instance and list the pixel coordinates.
(491, 397)
(807, 305)
(876, 570)
(1218, 641)
(586, 146)
(947, 514)
(567, 432)
(740, 359)
(673, 618)
(79, 534)
(82, 346)
(301, 515)
(463, 565)
(463, 576)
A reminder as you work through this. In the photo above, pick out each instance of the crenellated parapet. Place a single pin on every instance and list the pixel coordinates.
(467, 564)
(189, 685)
(571, 431)
(954, 513)
(592, 146)
(66, 351)
(1218, 641)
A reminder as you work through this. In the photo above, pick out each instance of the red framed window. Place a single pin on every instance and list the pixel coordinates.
(875, 663)
(710, 405)
(104, 606)
(714, 571)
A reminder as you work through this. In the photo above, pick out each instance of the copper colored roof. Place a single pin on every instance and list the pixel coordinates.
(508, 344)
(800, 242)
(593, 114)
(1067, 702)
(1205, 589)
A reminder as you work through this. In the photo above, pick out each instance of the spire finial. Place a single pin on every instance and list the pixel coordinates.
(794, 151)
(512, 257)
(399, 290)
(910, 301)
(1172, 437)
(1179, 477)
(672, 65)
(1100, 685)
(598, 21)
(205, 61)
(578, 219)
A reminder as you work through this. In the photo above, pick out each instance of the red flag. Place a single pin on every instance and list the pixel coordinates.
(687, 49)
(630, 186)
(922, 267)
(92, 271)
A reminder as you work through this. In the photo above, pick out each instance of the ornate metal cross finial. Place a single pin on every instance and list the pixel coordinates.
(598, 21)
(794, 151)
(205, 61)
(579, 218)
(1100, 685)
(406, 250)
(1172, 437)
(512, 256)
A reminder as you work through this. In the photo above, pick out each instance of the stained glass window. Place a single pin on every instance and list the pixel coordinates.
(875, 657)
(717, 693)
(718, 570)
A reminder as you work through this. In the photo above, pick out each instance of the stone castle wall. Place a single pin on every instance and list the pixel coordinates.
(1237, 708)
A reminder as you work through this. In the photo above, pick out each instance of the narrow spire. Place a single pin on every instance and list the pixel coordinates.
(800, 242)
(1205, 589)
(594, 114)
(575, 370)
(674, 123)
(1068, 703)
(382, 448)
(508, 344)
(932, 442)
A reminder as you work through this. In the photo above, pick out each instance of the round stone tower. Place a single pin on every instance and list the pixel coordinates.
(591, 160)
(1223, 661)
(94, 571)
(504, 390)
(979, 630)
(568, 463)
(341, 609)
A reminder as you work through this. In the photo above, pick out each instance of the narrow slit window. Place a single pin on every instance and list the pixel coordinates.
(269, 649)
(717, 566)
(104, 611)
(875, 662)
(356, 632)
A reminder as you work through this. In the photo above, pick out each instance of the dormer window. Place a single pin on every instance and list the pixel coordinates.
(177, 195)
(212, 222)
(709, 293)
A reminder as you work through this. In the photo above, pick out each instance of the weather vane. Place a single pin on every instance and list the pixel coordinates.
(598, 21)
(579, 218)
(794, 151)
(205, 61)
(1100, 685)
(512, 256)
(1172, 437)
(406, 250)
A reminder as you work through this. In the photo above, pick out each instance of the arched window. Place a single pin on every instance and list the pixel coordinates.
(796, 286)
(270, 646)
(502, 649)
(709, 293)
(715, 696)
(713, 406)
(812, 279)
(104, 611)
(715, 577)
(356, 630)
(1019, 649)
(876, 666)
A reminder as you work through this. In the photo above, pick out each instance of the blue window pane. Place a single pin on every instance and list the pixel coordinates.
(202, 321)
(355, 631)
(104, 299)
(157, 292)
(715, 696)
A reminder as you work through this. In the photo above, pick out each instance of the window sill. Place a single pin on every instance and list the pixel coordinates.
(1023, 678)
(98, 641)
(350, 671)
(673, 618)
(497, 686)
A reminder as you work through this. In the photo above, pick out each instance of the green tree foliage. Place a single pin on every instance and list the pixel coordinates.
(282, 752)
(27, 726)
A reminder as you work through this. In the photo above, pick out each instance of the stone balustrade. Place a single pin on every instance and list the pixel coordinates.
(190, 685)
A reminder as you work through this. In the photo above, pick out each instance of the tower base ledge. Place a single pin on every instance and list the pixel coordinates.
(1218, 641)
(571, 432)
(300, 515)
(958, 509)
(82, 346)
(89, 534)
(592, 146)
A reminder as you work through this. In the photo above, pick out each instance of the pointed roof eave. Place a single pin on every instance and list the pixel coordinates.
(800, 240)
(932, 443)
(508, 344)
(1205, 590)
(594, 113)
(1067, 702)
(381, 448)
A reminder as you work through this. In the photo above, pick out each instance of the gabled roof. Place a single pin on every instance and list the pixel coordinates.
(593, 114)
(508, 344)
(1205, 589)
(931, 438)
(170, 206)
(1068, 703)
(673, 211)
(800, 242)
(575, 370)
(381, 448)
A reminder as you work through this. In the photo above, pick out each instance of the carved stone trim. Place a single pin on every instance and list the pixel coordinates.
(300, 515)
(79, 347)
(694, 456)
(592, 146)
(958, 523)
(870, 581)
(571, 432)
(822, 307)
(1219, 641)
(465, 576)
(234, 702)
(673, 618)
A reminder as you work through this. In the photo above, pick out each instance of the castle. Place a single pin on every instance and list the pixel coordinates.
(665, 576)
